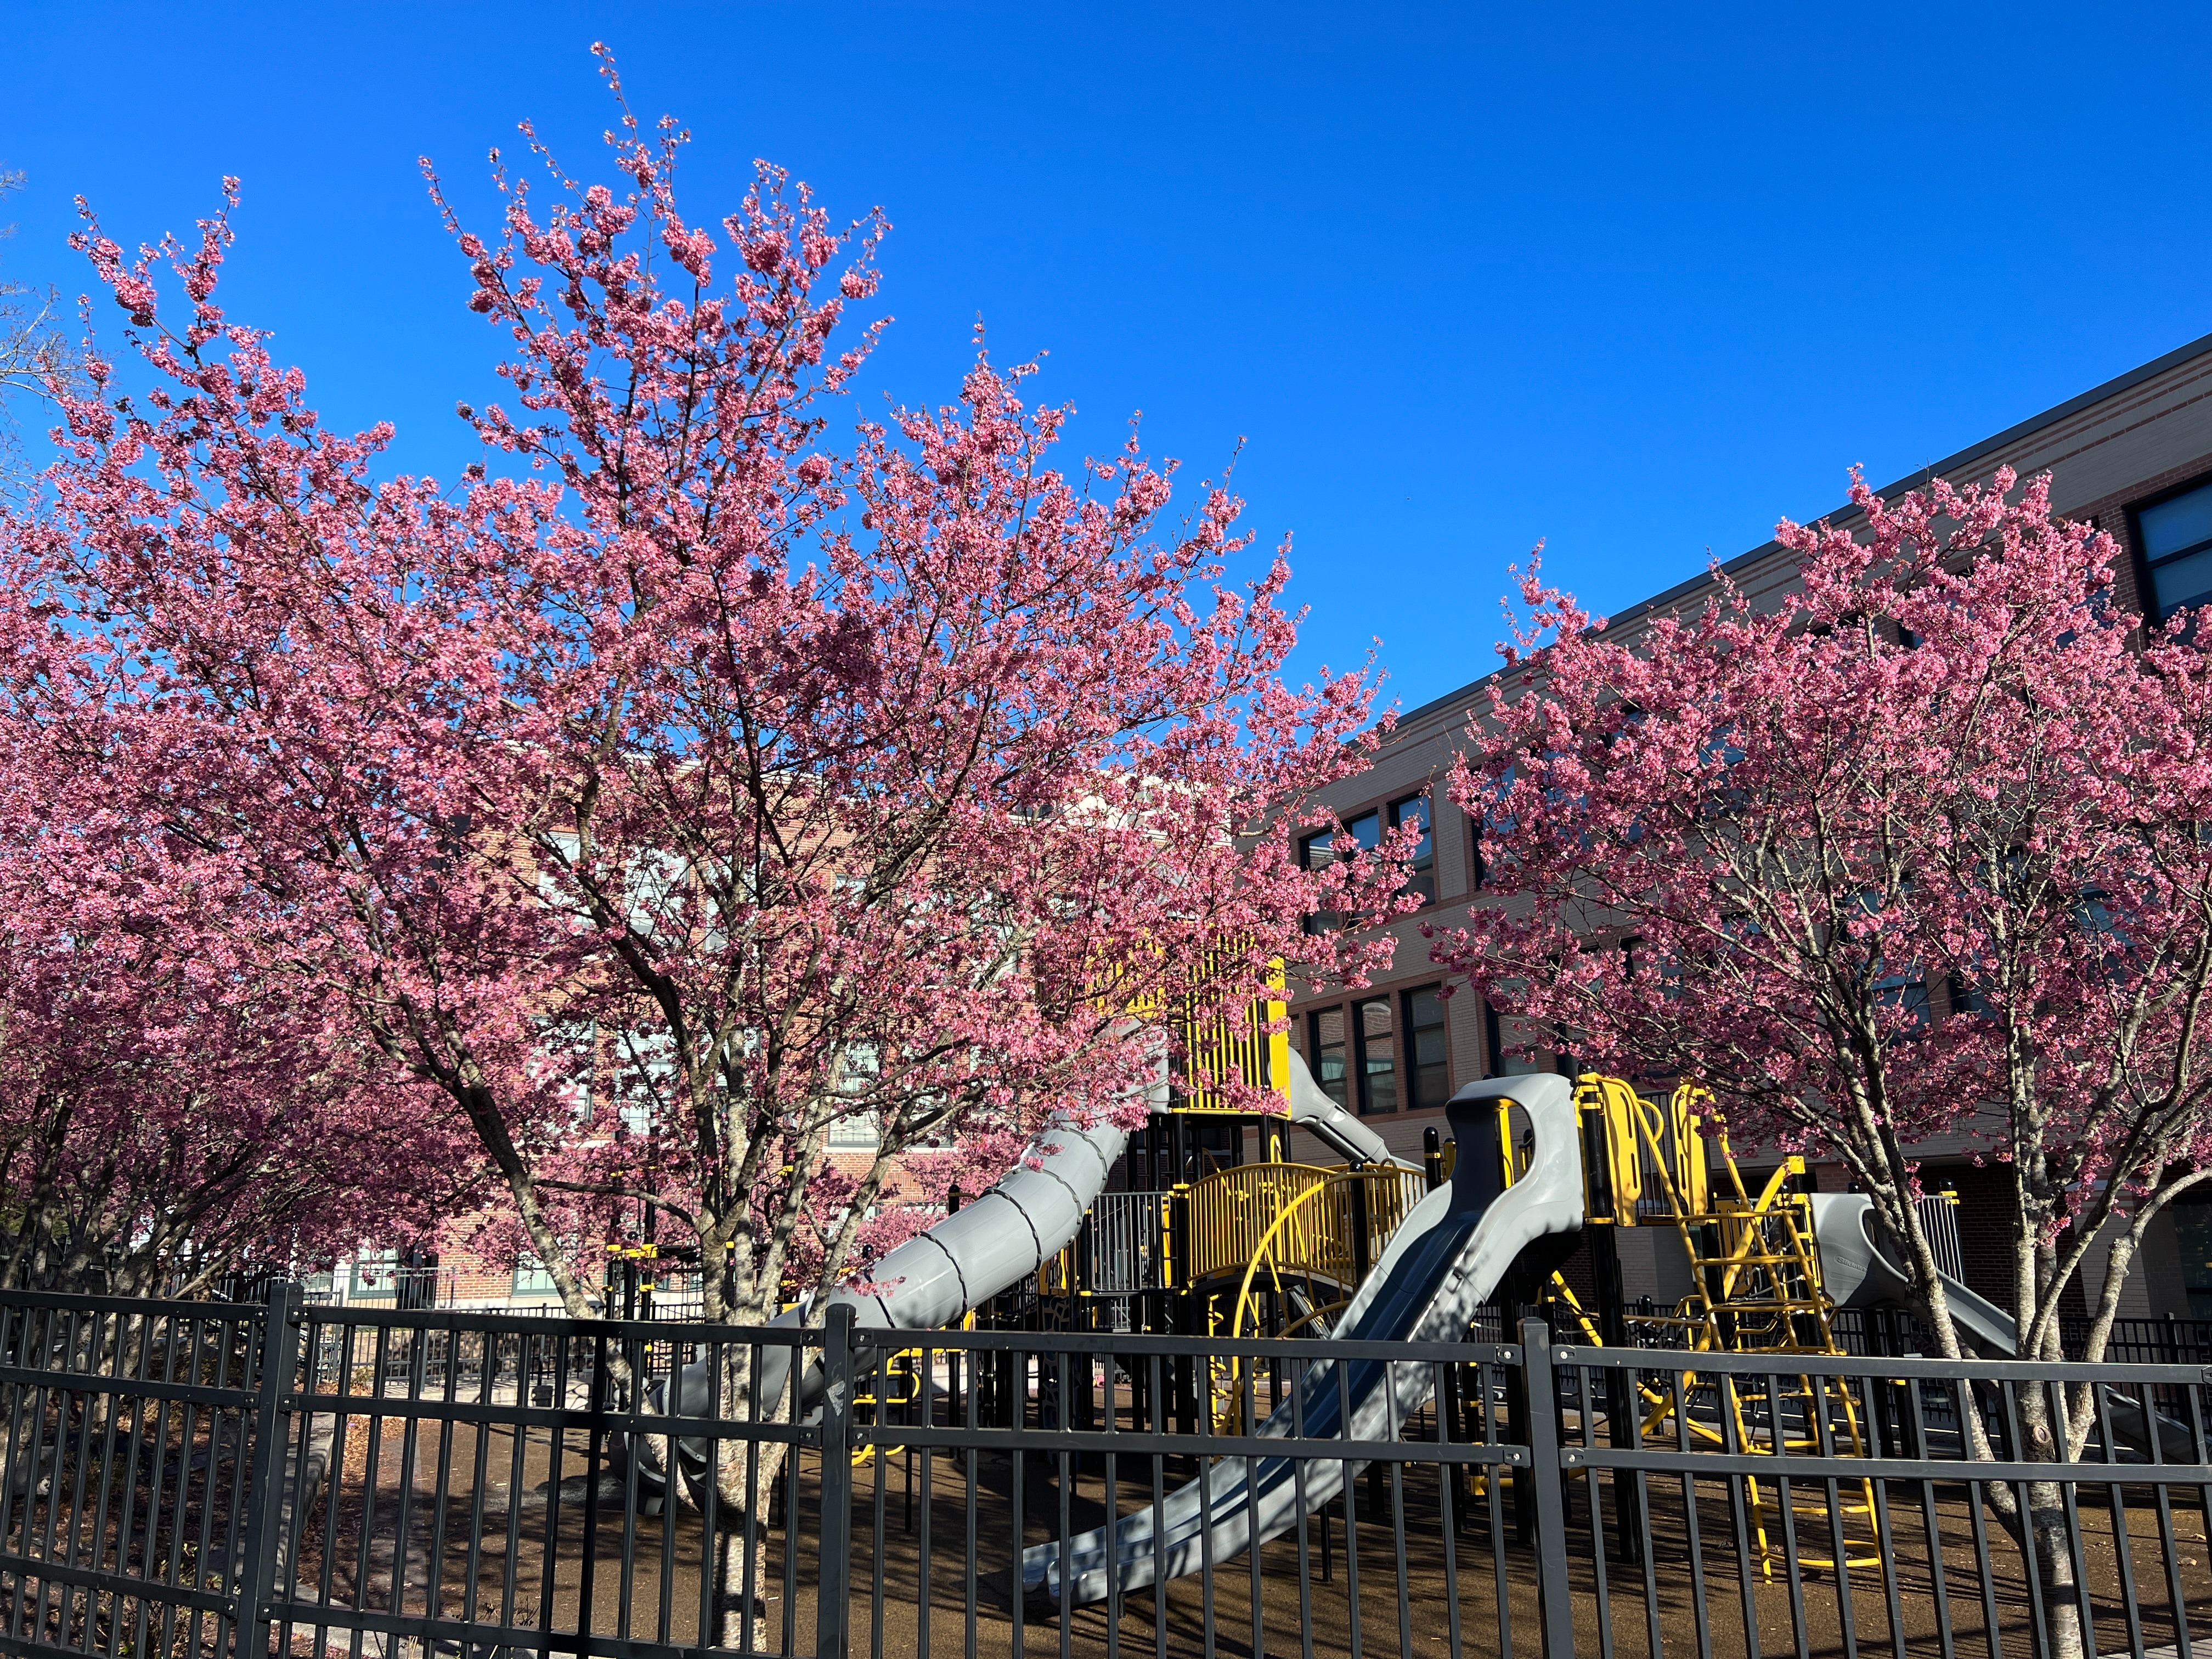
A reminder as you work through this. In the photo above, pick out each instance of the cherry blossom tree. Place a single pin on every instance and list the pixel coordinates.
(691, 779)
(170, 1111)
(1926, 848)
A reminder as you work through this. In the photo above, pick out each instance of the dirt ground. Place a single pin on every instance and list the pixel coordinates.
(1466, 1585)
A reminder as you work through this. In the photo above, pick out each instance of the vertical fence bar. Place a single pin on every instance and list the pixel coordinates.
(279, 1358)
(832, 1603)
(1553, 1607)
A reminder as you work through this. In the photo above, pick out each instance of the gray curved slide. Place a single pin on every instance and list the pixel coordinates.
(1858, 1273)
(987, 1246)
(1329, 1123)
(997, 1240)
(1007, 1234)
(1444, 1261)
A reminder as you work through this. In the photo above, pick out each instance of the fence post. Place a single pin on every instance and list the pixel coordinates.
(1546, 1472)
(833, 1595)
(278, 1359)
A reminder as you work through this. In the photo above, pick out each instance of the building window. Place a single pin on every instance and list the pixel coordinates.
(375, 1277)
(1326, 1039)
(855, 1132)
(1382, 1053)
(2176, 537)
(1491, 824)
(1421, 871)
(1428, 1056)
(1378, 1055)
(532, 1277)
(1907, 992)
(1314, 854)
(1348, 840)
(1354, 1054)
(2192, 1229)
(1353, 837)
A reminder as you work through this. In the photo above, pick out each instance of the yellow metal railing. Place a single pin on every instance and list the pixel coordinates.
(1755, 1287)
(1233, 1213)
(1217, 1047)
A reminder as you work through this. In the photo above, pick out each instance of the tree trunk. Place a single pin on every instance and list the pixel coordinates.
(744, 1492)
(2054, 1568)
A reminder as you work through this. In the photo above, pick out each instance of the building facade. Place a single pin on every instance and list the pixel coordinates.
(2133, 455)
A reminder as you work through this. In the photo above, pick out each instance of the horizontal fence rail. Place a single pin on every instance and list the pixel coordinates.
(215, 1478)
(1006, 1445)
(557, 1486)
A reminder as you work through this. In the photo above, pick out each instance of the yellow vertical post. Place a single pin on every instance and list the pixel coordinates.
(1279, 1061)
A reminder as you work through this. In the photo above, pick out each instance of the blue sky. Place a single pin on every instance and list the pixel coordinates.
(1636, 280)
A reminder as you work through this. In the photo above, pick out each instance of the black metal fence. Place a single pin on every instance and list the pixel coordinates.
(189, 1479)
(2168, 1340)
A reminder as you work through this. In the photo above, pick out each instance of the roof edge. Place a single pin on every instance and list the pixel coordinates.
(1912, 480)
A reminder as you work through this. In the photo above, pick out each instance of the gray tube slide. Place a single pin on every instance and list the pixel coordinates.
(1444, 1261)
(1858, 1273)
(935, 1276)
(989, 1246)
(1002, 1237)
(1329, 1123)
(1008, 1234)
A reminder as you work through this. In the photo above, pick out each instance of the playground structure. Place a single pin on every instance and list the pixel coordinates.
(1198, 1241)
(1285, 1248)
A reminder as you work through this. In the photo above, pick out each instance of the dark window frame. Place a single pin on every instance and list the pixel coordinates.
(1410, 1085)
(1355, 1012)
(1417, 873)
(1403, 1069)
(1384, 808)
(1313, 1047)
(1478, 867)
(1328, 921)
(2146, 571)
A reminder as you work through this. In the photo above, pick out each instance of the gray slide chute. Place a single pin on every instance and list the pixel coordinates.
(989, 1245)
(998, 1240)
(1445, 1260)
(1330, 1124)
(1006, 1235)
(1858, 1272)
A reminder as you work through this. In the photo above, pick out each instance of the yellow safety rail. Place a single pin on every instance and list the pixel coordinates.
(1217, 1046)
(1216, 1043)
(1233, 1211)
(1277, 1252)
(902, 1385)
(1269, 1226)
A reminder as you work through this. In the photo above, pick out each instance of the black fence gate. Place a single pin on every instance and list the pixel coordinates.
(140, 1506)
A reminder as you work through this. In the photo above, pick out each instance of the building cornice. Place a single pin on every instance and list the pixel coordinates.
(1951, 466)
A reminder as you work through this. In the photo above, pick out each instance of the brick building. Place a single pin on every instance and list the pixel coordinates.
(2133, 455)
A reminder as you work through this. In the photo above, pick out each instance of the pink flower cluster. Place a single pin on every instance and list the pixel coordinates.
(1925, 849)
